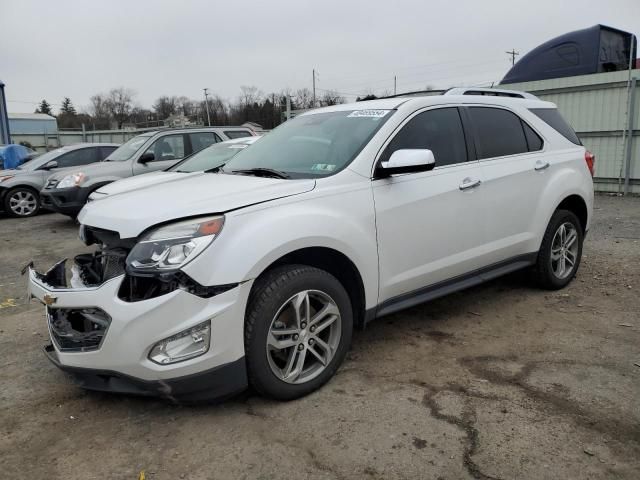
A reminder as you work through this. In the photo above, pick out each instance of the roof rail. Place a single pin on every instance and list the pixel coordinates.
(495, 92)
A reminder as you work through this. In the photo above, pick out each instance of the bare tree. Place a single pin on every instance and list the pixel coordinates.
(303, 98)
(99, 111)
(331, 97)
(119, 102)
(165, 106)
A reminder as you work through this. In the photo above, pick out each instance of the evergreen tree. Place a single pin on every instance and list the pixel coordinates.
(44, 107)
(67, 107)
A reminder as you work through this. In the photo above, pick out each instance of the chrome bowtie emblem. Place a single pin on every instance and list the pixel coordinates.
(49, 299)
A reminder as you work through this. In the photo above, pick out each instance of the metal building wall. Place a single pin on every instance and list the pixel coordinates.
(596, 107)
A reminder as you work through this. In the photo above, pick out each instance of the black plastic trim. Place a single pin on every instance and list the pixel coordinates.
(446, 287)
(215, 384)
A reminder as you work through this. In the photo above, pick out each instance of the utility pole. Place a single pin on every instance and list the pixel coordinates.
(206, 101)
(513, 55)
(395, 83)
(314, 88)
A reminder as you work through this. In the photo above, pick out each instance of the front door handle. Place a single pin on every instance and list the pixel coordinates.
(468, 183)
(541, 165)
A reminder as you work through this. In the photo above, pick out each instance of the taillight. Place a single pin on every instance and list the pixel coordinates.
(590, 158)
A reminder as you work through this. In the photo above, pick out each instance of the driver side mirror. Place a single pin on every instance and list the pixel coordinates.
(147, 157)
(407, 161)
(50, 165)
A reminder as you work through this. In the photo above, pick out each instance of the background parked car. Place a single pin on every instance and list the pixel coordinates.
(20, 187)
(67, 192)
(208, 159)
(13, 155)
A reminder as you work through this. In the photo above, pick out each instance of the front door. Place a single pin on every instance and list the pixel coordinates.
(429, 224)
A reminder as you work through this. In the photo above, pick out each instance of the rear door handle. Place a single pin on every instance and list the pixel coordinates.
(541, 165)
(468, 183)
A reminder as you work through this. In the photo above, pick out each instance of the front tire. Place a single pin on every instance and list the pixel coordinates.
(298, 330)
(560, 251)
(21, 202)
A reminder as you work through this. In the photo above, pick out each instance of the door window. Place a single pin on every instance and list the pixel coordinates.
(498, 132)
(169, 147)
(437, 130)
(200, 140)
(74, 158)
(105, 152)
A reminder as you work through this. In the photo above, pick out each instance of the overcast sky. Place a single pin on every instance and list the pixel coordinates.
(52, 49)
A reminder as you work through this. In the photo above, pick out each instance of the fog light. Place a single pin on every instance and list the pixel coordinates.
(182, 346)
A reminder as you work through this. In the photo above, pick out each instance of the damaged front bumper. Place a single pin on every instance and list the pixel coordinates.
(103, 341)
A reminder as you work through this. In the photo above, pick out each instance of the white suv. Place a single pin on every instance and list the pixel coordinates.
(257, 273)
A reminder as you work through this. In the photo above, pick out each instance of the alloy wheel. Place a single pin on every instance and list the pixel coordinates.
(23, 203)
(304, 336)
(564, 250)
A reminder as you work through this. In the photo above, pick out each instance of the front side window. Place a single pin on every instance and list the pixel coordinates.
(105, 152)
(74, 158)
(438, 130)
(498, 132)
(312, 145)
(169, 147)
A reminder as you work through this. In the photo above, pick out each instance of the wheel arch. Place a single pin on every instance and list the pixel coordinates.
(337, 264)
(577, 205)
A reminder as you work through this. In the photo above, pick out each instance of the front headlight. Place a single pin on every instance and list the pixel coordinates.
(172, 246)
(73, 180)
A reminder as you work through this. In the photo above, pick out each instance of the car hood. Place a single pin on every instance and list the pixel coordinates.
(141, 181)
(130, 213)
(96, 168)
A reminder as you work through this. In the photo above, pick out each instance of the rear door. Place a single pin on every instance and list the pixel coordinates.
(515, 166)
(167, 151)
(429, 224)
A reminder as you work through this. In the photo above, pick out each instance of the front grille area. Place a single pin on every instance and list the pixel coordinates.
(98, 267)
(78, 329)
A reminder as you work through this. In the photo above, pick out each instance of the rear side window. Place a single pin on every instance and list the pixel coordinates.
(498, 132)
(237, 133)
(74, 158)
(200, 140)
(438, 130)
(534, 142)
(552, 117)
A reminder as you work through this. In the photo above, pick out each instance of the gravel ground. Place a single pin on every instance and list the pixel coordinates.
(500, 381)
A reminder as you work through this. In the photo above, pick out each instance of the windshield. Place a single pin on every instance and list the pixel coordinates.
(211, 157)
(126, 150)
(312, 145)
(42, 159)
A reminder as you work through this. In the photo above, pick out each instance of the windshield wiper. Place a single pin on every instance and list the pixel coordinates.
(263, 172)
(215, 169)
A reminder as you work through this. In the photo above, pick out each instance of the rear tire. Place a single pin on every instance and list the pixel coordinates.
(21, 202)
(560, 251)
(298, 329)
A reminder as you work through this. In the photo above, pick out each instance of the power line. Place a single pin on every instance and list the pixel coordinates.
(414, 67)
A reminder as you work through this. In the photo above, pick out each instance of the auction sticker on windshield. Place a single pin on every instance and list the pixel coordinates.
(369, 113)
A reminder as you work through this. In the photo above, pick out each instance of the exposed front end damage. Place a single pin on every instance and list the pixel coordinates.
(105, 319)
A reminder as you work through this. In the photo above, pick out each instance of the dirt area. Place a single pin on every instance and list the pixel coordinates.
(498, 382)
